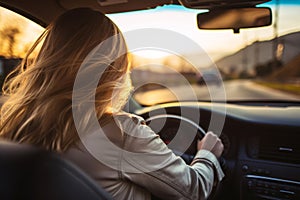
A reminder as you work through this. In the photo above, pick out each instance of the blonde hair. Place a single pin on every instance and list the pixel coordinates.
(39, 106)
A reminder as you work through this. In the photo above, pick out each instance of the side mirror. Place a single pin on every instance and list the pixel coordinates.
(235, 18)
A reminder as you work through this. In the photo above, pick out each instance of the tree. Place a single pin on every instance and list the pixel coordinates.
(9, 33)
(263, 70)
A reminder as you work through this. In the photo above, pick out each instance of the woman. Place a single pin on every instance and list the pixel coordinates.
(52, 103)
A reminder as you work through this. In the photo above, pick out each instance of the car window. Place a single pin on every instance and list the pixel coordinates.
(17, 34)
(256, 64)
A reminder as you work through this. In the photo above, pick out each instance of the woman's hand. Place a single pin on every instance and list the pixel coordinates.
(212, 143)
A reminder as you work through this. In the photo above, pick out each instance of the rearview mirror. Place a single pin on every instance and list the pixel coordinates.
(235, 18)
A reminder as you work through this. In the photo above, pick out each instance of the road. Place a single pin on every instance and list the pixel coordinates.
(230, 90)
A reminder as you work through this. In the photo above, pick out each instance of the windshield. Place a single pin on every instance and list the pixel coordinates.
(172, 60)
(212, 65)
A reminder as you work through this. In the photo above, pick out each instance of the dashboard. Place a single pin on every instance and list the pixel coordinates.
(261, 144)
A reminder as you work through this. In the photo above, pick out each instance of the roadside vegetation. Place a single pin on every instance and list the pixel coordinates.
(285, 78)
(290, 88)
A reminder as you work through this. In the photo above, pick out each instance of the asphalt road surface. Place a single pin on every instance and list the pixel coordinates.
(229, 91)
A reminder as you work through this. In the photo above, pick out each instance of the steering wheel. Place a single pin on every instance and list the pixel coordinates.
(183, 145)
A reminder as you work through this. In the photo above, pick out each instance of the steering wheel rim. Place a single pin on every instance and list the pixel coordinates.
(200, 132)
(199, 128)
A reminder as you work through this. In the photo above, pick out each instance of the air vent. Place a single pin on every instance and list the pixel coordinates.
(285, 148)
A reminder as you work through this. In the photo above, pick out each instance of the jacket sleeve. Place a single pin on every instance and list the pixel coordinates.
(149, 163)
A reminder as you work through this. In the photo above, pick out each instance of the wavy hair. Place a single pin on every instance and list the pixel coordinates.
(39, 105)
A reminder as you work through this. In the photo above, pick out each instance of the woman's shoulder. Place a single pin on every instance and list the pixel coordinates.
(125, 117)
(133, 125)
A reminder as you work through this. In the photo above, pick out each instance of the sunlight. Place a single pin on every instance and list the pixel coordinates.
(151, 54)
(27, 32)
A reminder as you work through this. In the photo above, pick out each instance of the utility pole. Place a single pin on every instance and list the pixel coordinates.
(275, 30)
(245, 58)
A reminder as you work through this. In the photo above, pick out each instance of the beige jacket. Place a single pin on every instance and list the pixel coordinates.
(130, 161)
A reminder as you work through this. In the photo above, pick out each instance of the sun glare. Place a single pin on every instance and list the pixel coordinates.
(151, 54)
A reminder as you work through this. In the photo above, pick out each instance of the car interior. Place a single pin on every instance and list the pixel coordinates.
(261, 136)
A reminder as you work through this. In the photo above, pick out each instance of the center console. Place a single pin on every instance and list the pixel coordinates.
(261, 187)
(270, 169)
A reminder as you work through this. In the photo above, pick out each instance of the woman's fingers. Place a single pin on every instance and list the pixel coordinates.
(211, 142)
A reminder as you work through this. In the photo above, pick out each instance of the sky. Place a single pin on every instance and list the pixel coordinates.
(216, 44)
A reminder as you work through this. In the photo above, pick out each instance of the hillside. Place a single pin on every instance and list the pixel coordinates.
(291, 71)
(260, 52)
